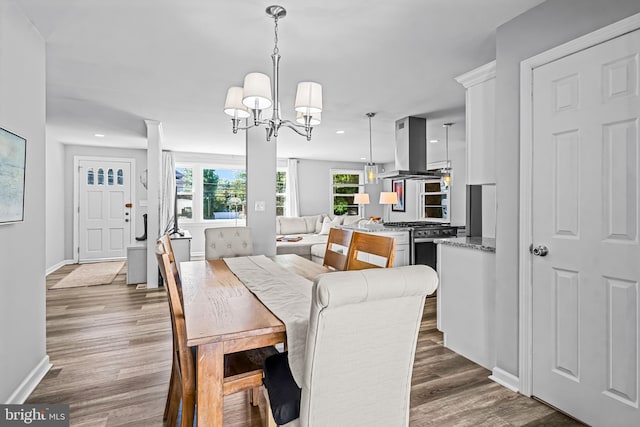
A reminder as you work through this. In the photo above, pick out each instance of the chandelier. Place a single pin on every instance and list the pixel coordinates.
(446, 171)
(257, 95)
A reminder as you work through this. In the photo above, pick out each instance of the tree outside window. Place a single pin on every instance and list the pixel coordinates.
(281, 193)
(344, 184)
(184, 187)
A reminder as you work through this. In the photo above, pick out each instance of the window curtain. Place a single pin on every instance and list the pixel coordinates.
(167, 199)
(293, 192)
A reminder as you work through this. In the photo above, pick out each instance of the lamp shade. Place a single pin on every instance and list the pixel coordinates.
(233, 105)
(315, 118)
(388, 198)
(309, 98)
(361, 199)
(257, 91)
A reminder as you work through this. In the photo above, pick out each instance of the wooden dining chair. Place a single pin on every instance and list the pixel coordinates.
(335, 254)
(370, 251)
(243, 370)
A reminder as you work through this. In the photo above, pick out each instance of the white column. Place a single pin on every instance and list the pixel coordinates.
(154, 171)
(261, 191)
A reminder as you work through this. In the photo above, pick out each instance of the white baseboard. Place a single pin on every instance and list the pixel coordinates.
(58, 265)
(505, 379)
(197, 256)
(30, 382)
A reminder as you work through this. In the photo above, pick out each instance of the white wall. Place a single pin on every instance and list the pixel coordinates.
(23, 358)
(315, 187)
(70, 151)
(537, 30)
(55, 208)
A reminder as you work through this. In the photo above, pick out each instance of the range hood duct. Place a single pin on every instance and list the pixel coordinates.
(411, 151)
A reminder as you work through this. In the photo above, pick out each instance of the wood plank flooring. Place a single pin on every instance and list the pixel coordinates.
(110, 347)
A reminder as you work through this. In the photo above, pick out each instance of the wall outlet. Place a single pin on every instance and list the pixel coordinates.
(261, 206)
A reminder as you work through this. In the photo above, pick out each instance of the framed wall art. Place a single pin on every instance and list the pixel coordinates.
(397, 186)
(13, 150)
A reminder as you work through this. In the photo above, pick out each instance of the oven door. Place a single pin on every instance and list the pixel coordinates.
(424, 252)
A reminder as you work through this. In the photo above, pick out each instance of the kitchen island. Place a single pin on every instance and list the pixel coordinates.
(466, 297)
(402, 254)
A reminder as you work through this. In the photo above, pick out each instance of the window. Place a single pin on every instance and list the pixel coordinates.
(281, 192)
(120, 177)
(344, 184)
(224, 193)
(184, 189)
(110, 177)
(90, 176)
(207, 193)
(100, 176)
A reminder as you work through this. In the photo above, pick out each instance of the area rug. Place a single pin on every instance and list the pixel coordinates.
(99, 273)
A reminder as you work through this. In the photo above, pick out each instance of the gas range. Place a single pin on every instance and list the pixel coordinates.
(425, 230)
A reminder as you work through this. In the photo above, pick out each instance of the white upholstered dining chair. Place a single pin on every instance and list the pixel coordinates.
(361, 341)
(221, 242)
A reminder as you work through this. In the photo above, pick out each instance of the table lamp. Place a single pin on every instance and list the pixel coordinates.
(388, 198)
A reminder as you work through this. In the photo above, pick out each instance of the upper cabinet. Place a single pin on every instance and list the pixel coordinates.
(480, 123)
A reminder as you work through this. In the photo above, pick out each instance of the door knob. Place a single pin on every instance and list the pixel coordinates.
(540, 250)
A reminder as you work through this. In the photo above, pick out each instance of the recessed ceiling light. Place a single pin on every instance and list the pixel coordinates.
(363, 158)
(99, 135)
(433, 141)
(339, 132)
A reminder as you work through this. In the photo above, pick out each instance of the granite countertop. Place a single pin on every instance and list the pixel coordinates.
(486, 244)
(373, 228)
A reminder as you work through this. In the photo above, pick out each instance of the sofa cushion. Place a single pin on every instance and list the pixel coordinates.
(318, 250)
(310, 222)
(301, 247)
(291, 225)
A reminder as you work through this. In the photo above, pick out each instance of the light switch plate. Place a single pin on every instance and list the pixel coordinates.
(260, 206)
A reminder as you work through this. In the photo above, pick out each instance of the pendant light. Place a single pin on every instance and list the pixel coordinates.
(447, 169)
(370, 169)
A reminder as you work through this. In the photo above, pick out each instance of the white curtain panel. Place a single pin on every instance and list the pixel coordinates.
(293, 193)
(167, 199)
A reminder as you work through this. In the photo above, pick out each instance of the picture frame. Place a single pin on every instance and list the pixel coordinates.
(13, 160)
(398, 186)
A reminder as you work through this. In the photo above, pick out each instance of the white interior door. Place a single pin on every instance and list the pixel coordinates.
(585, 211)
(104, 209)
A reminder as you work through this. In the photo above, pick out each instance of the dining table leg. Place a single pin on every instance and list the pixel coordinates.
(210, 384)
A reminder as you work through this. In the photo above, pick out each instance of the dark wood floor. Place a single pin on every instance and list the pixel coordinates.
(110, 347)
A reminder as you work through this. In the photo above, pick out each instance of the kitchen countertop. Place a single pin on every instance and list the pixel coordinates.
(486, 244)
(373, 228)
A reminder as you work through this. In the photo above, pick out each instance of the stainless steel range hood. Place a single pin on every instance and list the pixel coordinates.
(411, 151)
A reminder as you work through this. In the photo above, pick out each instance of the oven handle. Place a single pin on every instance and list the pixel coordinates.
(424, 239)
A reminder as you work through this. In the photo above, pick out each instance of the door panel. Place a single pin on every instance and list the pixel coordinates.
(586, 110)
(104, 220)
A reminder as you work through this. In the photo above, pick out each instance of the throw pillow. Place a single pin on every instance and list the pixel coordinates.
(327, 224)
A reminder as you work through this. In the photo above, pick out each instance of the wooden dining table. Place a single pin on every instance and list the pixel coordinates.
(222, 316)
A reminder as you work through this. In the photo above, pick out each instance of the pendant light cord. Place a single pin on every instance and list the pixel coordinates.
(370, 115)
(275, 36)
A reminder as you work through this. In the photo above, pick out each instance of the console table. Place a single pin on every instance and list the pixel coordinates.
(137, 256)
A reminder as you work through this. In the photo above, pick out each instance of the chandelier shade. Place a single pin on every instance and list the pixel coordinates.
(258, 94)
(257, 91)
(233, 105)
(308, 98)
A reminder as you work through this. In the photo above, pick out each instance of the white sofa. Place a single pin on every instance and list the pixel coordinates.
(310, 228)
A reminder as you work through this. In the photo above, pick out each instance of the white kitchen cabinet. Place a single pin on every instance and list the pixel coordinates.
(480, 123)
(466, 299)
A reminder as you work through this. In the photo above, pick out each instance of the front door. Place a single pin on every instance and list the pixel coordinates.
(586, 113)
(104, 209)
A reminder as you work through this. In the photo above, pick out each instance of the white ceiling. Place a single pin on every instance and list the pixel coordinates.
(113, 63)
